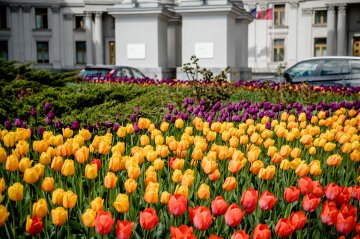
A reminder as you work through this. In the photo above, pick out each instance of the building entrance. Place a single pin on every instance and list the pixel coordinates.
(356, 46)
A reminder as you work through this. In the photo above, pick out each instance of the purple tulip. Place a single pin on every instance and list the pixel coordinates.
(97, 125)
(32, 131)
(17, 123)
(136, 128)
(107, 124)
(75, 125)
(58, 124)
(23, 125)
(133, 118)
(116, 127)
(170, 107)
(33, 112)
(47, 106)
(7, 125)
(48, 121)
(50, 115)
(40, 130)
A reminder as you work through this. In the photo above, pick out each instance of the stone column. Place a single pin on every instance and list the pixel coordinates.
(56, 55)
(68, 48)
(15, 32)
(98, 39)
(305, 38)
(26, 46)
(331, 31)
(292, 22)
(341, 30)
(89, 40)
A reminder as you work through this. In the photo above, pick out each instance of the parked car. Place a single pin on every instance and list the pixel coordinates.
(103, 72)
(341, 71)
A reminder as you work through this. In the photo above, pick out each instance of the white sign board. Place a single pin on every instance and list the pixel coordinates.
(136, 51)
(204, 50)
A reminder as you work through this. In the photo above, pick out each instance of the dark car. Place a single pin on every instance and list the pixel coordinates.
(105, 72)
(340, 71)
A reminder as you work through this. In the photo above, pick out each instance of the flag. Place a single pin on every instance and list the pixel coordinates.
(265, 15)
(253, 12)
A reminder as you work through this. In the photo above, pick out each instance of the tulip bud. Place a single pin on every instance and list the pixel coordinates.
(121, 203)
(40, 208)
(203, 192)
(130, 185)
(57, 196)
(68, 168)
(69, 199)
(16, 192)
(88, 218)
(110, 180)
(12, 163)
(59, 216)
(91, 171)
(48, 184)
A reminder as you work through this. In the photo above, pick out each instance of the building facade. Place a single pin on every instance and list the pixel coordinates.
(302, 29)
(155, 36)
(159, 36)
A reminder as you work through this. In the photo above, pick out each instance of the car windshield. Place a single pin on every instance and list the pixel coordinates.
(95, 72)
(304, 69)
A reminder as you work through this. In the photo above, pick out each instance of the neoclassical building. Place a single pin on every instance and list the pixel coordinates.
(302, 29)
(158, 36)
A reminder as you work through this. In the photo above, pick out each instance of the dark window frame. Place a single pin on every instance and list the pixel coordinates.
(277, 48)
(80, 47)
(3, 17)
(41, 14)
(4, 49)
(279, 15)
(43, 50)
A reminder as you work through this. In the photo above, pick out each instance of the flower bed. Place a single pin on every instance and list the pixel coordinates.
(294, 173)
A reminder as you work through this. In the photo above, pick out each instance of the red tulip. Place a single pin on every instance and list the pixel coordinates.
(219, 206)
(298, 220)
(249, 200)
(97, 162)
(261, 231)
(214, 237)
(124, 229)
(355, 193)
(291, 194)
(346, 219)
(241, 234)
(171, 161)
(310, 203)
(148, 219)
(329, 212)
(233, 215)
(267, 201)
(332, 191)
(317, 189)
(177, 204)
(103, 222)
(35, 227)
(182, 232)
(201, 217)
(306, 185)
(357, 229)
(344, 196)
(284, 228)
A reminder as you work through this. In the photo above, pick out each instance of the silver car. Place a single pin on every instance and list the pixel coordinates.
(335, 70)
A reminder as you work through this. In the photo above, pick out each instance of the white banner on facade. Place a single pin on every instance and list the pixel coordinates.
(136, 51)
(204, 50)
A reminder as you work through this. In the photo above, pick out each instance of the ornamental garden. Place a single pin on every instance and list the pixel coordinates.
(138, 158)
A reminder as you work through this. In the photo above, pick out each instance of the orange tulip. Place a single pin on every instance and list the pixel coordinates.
(31, 176)
(230, 184)
(12, 163)
(69, 199)
(88, 218)
(110, 180)
(4, 214)
(334, 160)
(130, 185)
(16, 192)
(82, 154)
(121, 203)
(59, 216)
(40, 208)
(48, 184)
(68, 168)
(57, 196)
(203, 192)
(24, 164)
(57, 163)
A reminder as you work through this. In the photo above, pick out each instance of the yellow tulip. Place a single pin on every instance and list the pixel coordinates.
(9, 140)
(48, 184)
(315, 168)
(165, 197)
(88, 218)
(12, 163)
(121, 203)
(24, 164)
(57, 196)
(230, 184)
(267, 173)
(203, 191)
(91, 171)
(3, 155)
(67, 132)
(284, 165)
(40, 208)
(82, 154)
(334, 160)
(4, 214)
(69, 199)
(16, 192)
(57, 163)
(2, 185)
(97, 204)
(31, 175)
(110, 180)
(303, 169)
(130, 185)
(68, 168)
(182, 190)
(59, 216)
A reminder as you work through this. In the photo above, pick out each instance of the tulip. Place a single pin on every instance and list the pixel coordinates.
(57, 163)
(110, 180)
(165, 196)
(121, 203)
(303, 169)
(57, 196)
(249, 200)
(240, 234)
(317, 189)
(31, 176)
(219, 206)
(267, 201)
(91, 171)
(177, 204)
(233, 215)
(103, 222)
(230, 184)
(12, 163)
(9, 140)
(306, 185)
(82, 154)
(130, 185)
(256, 166)
(310, 202)
(201, 217)
(261, 231)
(346, 219)
(298, 220)
(88, 217)
(315, 168)
(34, 225)
(203, 192)
(328, 213)
(344, 196)
(67, 132)
(59, 216)
(334, 160)
(40, 169)
(3, 155)
(176, 176)
(16, 192)
(4, 214)
(96, 162)
(69, 199)
(291, 194)
(48, 184)
(182, 232)
(355, 193)
(40, 208)
(267, 173)
(284, 228)
(214, 237)
(97, 204)
(332, 191)
(216, 175)
(2, 185)
(68, 168)
(124, 229)
(148, 219)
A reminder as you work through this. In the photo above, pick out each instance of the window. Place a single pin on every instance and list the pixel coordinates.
(42, 52)
(124, 72)
(4, 54)
(355, 66)
(279, 15)
(320, 47)
(80, 52)
(3, 20)
(137, 74)
(278, 50)
(79, 22)
(320, 17)
(41, 18)
(335, 67)
(305, 69)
